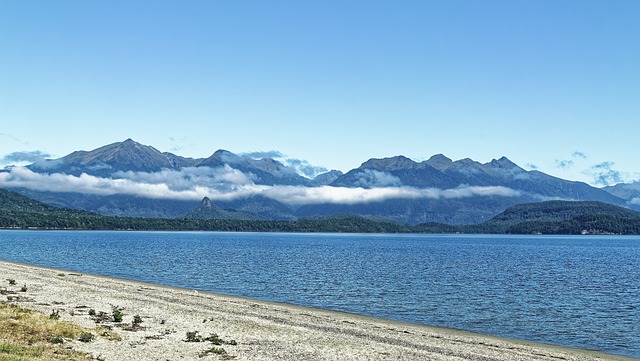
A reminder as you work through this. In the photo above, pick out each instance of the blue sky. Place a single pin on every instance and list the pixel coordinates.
(552, 85)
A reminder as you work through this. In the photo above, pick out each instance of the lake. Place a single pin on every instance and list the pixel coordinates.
(575, 291)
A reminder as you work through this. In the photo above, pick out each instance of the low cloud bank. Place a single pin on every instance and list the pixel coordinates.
(226, 183)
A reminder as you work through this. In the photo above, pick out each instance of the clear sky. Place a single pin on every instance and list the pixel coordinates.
(552, 85)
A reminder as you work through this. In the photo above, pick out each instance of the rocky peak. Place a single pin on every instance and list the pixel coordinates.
(326, 178)
(389, 164)
(503, 162)
(439, 162)
(206, 202)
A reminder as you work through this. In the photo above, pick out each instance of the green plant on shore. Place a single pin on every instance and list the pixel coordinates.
(137, 321)
(86, 337)
(117, 314)
(108, 334)
(55, 315)
(100, 317)
(56, 339)
(214, 351)
(193, 336)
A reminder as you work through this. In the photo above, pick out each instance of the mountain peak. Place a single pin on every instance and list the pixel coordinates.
(206, 202)
(388, 164)
(120, 156)
(503, 162)
(439, 162)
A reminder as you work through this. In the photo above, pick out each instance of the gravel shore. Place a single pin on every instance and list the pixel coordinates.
(246, 329)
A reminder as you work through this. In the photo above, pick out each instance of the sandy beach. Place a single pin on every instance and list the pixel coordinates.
(247, 329)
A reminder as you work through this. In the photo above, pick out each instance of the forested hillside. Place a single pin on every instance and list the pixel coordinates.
(556, 217)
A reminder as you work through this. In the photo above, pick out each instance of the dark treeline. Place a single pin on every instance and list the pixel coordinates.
(557, 217)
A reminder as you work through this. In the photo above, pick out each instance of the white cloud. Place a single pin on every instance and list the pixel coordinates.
(300, 166)
(226, 183)
(371, 178)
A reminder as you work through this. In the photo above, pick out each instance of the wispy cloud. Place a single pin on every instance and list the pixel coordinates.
(267, 154)
(578, 154)
(25, 157)
(300, 166)
(13, 138)
(371, 178)
(179, 143)
(226, 183)
(564, 164)
(604, 174)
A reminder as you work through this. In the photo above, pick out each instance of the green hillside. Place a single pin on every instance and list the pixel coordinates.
(554, 217)
(563, 217)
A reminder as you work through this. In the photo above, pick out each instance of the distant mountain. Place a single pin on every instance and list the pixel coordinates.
(104, 161)
(208, 210)
(265, 171)
(413, 211)
(326, 178)
(440, 189)
(440, 172)
(627, 191)
(119, 205)
(129, 155)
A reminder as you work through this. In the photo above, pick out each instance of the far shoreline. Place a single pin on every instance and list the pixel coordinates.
(25, 268)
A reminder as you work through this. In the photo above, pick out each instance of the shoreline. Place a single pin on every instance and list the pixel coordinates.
(261, 330)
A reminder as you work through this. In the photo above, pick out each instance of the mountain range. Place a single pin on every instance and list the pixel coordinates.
(128, 179)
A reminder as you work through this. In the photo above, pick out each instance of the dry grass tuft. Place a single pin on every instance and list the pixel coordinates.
(27, 335)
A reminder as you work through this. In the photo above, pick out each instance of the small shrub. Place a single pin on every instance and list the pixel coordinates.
(214, 351)
(55, 315)
(60, 274)
(137, 321)
(100, 317)
(117, 314)
(193, 336)
(108, 334)
(55, 339)
(215, 339)
(92, 312)
(86, 337)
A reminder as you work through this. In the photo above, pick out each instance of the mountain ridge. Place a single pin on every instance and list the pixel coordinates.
(435, 190)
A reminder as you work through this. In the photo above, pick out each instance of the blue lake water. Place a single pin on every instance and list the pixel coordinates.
(581, 292)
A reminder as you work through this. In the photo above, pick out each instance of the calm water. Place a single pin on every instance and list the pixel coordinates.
(579, 292)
